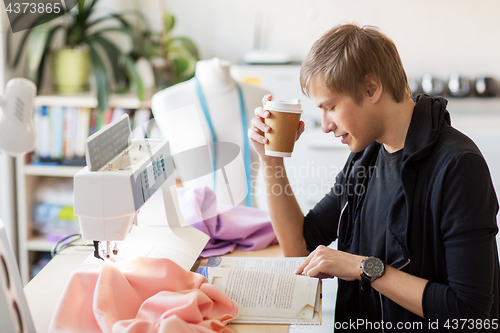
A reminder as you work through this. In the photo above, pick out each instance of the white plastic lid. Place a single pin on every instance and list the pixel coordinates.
(293, 106)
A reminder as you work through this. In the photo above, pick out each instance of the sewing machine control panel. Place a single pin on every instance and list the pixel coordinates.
(157, 169)
(154, 170)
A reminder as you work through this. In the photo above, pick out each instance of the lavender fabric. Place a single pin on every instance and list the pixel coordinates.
(229, 227)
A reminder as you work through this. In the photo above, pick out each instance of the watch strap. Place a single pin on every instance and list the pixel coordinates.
(366, 281)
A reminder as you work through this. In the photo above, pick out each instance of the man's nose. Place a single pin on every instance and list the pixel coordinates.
(327, 125)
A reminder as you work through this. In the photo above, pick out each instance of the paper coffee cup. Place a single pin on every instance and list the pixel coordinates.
(284, 121)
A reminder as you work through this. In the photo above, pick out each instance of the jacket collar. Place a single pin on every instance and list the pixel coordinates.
(428, 119)
(429, 116)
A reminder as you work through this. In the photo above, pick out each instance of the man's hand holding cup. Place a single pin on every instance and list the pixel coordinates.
(276, 127)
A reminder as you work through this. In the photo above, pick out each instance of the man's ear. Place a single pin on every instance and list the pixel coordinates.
(373, 87)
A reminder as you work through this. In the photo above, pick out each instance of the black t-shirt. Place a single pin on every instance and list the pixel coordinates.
(385, 180)
(382, 186)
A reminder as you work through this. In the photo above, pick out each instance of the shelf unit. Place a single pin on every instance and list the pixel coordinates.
(85, 100)
(28, 177)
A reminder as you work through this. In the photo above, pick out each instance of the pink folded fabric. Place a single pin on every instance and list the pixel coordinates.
(229, 228)
(141, 295)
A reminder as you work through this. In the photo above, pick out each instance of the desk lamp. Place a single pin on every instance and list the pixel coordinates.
(17, 131)
(17, 137)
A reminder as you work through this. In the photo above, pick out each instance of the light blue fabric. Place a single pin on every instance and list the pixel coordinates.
(246, 143)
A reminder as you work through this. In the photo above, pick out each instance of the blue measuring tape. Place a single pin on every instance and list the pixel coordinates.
(246, 149)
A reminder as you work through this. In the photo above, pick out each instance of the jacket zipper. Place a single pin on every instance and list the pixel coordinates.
(340, 218)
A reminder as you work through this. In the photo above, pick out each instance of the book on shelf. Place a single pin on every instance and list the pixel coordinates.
(82, 131)
(117, 113)
(99, 119)
(69, 132)
(103, 118)
(140, 123)
(42, 125)
(93, 121)
(62, 131)
(57, 130)
(266, 289)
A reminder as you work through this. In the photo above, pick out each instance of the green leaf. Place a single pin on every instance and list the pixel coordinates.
(184, 65)
(39, 75)
(180, 65)
(101, 79)
(25, 39)
(122, 20)
(183, 55)
(85, 13)
(50, 36)
(169, 22)
(81, 5)
(36, 47)
(189, 71)
(113, 54)
(110, 29)
(187, 44)
(134, 76)
(93, 3)
(117, 17)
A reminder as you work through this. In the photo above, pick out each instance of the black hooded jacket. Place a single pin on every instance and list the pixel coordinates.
(442, 227)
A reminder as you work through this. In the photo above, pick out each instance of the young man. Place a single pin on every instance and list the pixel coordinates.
(428, 212)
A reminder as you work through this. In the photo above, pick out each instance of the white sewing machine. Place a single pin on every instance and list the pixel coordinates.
(120, 176)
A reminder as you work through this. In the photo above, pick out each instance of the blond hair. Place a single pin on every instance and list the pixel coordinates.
(347, 53)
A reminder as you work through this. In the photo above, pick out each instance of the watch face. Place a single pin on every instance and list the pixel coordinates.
(373, 267)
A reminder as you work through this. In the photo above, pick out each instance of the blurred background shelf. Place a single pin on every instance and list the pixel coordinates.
(86, 100)
(478, 105)
(51, 171)
(39, 244)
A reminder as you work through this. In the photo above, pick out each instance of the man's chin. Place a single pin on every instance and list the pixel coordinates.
(356, 148)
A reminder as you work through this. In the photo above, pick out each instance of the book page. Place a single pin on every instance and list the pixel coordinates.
(267, 294)
(262, 264)
(270, 320)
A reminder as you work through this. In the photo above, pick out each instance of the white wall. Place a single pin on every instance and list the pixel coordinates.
(432, 36)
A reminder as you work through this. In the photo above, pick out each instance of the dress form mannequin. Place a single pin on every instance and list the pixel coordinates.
(223, 103)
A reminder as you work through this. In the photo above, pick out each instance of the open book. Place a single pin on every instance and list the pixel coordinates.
(266, 289)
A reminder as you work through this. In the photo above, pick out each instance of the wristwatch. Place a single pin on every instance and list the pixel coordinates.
(371, 269)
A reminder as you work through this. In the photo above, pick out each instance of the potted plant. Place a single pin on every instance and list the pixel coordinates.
(173, 58)
(86, 48)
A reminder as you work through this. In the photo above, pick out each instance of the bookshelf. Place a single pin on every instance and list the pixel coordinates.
(28, 178)
(85, 100)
